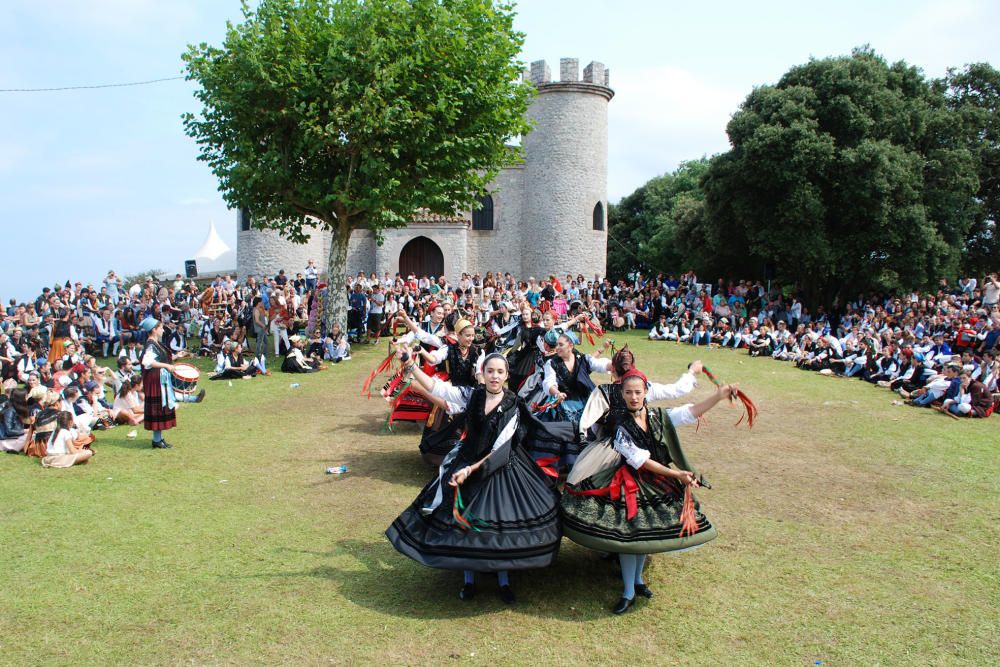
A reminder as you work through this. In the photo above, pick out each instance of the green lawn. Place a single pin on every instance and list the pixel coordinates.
(852, 532)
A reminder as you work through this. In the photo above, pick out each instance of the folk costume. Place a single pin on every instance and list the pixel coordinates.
(503, 517)
(607, 399)
(611, 505)
(406, 403)
(563, 416)
(444, 426)
(619, 497)
(159, 407)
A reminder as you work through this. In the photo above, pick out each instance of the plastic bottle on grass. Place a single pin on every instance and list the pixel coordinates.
(294, 385)
(336, 470)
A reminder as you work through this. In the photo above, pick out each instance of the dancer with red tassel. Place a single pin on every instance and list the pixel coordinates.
(622, 495)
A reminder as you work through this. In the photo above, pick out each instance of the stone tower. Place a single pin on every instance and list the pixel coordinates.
(566, 171)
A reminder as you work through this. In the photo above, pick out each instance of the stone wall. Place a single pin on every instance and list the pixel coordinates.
(566, 174)
(501, 249)
(263, 252)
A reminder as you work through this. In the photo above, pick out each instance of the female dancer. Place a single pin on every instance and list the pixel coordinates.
(565, 387)
(622, 496)
(607, 398)
(462, 362)
(159, 413)
(489, 509)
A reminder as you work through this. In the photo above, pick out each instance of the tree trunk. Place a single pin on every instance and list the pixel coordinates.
(336, 275)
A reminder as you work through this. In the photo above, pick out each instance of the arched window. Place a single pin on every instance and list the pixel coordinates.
(599, 217)
(244, 217)
(482, 217)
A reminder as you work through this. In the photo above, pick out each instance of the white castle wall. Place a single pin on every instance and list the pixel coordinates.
(566, 172)
(263, 252)
(500, 249)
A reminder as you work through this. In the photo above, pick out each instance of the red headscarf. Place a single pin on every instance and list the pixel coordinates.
(635, 372)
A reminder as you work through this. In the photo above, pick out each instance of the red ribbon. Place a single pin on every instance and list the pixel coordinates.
(622, 482)
(546, 465)
(367, 385)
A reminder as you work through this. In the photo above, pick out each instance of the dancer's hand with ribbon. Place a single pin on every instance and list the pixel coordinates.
(687, 478)
(460, 475)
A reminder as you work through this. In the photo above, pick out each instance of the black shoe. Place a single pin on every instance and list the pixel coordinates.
(200, 397)
(468, 592)
(161, 444)
(622, 606)
(507, 595)
(643, 590)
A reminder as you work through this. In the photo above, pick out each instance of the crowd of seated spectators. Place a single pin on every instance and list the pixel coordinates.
(935, 349)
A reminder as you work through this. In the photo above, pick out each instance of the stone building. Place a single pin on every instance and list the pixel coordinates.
(547, 215)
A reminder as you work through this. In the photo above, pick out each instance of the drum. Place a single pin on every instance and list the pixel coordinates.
(185, 378)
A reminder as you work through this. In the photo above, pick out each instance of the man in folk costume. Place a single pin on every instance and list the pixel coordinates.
(106, 332)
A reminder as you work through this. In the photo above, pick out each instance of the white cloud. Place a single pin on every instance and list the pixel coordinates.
(661, 116)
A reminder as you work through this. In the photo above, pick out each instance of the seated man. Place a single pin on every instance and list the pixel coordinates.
(106, 332)
(660, 330)
(945, 386)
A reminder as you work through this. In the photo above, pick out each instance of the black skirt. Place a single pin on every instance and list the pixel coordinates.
(512, 515)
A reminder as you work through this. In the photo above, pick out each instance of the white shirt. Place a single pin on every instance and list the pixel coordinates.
(636, 456)
(60, 442)
(597, 365)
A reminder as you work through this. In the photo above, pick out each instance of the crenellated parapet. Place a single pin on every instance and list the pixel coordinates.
(596, 77)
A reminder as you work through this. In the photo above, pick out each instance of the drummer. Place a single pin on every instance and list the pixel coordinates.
(157, 385)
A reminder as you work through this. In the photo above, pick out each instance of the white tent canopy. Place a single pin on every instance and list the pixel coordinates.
(214, 256)
(214, 247)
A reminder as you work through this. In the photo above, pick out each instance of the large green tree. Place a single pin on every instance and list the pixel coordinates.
(643, 225)
(349, 114)
(974, 95)
(849, 175)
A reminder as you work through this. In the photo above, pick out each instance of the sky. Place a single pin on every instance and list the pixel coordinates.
(92, 180)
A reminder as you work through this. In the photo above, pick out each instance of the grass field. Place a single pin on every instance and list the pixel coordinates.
(852, 532)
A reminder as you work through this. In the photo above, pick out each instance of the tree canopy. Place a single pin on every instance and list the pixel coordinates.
(849, 175)
(347, 114)
(974, 95)
(644, 224)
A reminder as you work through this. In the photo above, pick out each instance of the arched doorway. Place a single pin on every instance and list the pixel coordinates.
(421, 257)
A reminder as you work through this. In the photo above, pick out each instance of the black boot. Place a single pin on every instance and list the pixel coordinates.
(622, 606)
(200, 397)
(643, 590)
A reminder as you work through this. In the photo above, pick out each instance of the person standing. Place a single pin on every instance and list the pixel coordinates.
(159, 412)
(260, 327)
(311, 274)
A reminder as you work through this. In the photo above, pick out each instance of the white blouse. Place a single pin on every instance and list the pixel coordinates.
(597, 365)
(636, 456)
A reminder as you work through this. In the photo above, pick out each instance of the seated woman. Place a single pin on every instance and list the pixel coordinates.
(65, 447)
(127, 406)
(296, 362)
(13, 413)
(336, 347)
